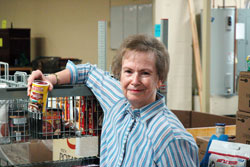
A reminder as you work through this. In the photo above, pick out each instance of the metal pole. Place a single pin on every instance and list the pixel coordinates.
(102, 31)
(164, 39)
(206, 56)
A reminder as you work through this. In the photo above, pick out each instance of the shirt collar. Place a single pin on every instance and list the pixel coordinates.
(147, 111)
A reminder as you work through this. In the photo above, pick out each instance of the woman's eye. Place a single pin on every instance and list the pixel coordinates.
(128, 71)
(145, 73)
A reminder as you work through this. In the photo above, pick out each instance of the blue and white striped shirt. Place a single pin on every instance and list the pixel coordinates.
(147, 137)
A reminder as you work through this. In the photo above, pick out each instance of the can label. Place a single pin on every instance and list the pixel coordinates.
(220, 130)
(18, 136)
(38, 96)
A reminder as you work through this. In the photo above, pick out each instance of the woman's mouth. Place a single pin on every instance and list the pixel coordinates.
(135, 90)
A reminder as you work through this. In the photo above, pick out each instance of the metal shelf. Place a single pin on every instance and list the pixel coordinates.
(58, 91)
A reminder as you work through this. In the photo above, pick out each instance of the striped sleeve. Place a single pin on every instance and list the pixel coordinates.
(106, 89)
(179, 153)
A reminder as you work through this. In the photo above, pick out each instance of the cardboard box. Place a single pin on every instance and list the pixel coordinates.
(39, 151)
(64, 149)
(75, 147)
(193, 119)
(244, 91)
(202, 142)
(230, 130)
(26, 153)
(243, 127)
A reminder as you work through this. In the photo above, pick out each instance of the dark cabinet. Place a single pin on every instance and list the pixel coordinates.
(15, 46)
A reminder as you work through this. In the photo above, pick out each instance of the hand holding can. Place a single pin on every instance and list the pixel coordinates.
(37, 75)
(38, 96)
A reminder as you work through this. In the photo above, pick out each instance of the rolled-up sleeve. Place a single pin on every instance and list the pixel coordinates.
(106, 88)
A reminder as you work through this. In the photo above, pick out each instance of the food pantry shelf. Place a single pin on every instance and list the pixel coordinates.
(66, 116)
(10, 93)
(72, 111)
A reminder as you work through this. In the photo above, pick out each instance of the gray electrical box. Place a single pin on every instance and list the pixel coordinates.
(243, 49)
(129, 20)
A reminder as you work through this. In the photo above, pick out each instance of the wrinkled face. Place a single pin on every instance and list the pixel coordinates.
(139, 79)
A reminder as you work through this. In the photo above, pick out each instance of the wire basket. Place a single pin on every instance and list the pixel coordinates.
(71, 111)
(69, 116)
(65, 117)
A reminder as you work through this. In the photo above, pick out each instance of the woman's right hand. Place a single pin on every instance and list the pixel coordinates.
(37, 75)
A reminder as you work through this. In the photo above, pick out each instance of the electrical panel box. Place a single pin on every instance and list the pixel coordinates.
(129, 20)
(243, 49)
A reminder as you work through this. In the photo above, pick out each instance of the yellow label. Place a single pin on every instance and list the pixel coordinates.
(1, 42)
(38, 96)
(4, 24)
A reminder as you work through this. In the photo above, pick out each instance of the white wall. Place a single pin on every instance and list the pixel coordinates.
(61, 28)
(180, 49)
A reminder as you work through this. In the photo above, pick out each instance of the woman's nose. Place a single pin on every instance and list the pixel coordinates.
(135, 79)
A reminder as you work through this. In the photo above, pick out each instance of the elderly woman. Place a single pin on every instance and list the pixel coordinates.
(138, 129)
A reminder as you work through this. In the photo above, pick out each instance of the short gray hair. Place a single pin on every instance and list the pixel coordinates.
(143, 43)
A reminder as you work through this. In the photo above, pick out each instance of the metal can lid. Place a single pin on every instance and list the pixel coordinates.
(40, 83)
(220, 124)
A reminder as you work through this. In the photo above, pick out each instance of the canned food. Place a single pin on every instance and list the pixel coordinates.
(18, 120)
(38, 96)
(220, 129)
(20, 136)
(47, 125)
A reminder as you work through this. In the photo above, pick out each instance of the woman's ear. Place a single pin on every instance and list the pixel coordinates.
(159, 84)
